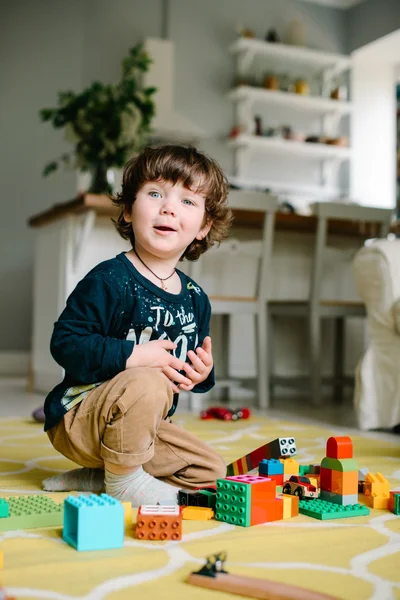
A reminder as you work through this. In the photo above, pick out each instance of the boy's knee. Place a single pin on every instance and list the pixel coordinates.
(218, 468)
(146, 381)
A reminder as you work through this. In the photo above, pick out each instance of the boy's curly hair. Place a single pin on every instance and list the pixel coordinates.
(195, 171)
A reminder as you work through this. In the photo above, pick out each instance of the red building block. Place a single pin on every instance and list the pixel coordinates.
(159, 523)
(325, 479)
(339, 447)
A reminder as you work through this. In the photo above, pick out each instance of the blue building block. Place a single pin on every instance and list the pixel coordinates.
(93, 522)
(271, 466)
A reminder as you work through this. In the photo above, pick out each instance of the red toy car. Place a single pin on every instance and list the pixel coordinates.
(225, 414)
(301, 487)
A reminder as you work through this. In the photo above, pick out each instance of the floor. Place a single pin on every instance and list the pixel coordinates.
(16, 401)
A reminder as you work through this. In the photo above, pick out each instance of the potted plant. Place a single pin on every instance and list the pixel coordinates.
(105, 122)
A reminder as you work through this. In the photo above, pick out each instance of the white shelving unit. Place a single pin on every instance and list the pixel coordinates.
(324, 65)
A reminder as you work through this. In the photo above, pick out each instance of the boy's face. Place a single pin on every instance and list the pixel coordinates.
(166, 218)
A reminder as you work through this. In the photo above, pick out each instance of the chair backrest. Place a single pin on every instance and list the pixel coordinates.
(252, 258)
(377, 219)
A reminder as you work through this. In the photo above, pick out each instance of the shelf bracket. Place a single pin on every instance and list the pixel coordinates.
(244, 60)
(244, 114)
(242, 160)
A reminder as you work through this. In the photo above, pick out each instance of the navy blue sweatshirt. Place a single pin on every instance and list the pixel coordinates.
(111, 309)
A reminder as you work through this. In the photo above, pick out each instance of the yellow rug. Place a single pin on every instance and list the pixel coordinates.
(349, 558)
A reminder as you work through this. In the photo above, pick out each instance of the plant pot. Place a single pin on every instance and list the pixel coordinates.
(102, 178)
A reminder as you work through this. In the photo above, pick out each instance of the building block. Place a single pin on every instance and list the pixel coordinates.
(197, 513)
(290, 466)
(276, 449)
(290, 506)
(339, 447)
(128, 514)
(394, 502)
(342, 464)
(325, 479)
(314, 479)
(196, 498)
(245, 500)
(93, 522)
(344, 483)
(345, 500)
(376, 484)
(314, 469)
(323, 510)
(4, 510)
(30, 512)
(271, 466)
(279, 479)
(379, 501)
(159, 523)
(279, 509)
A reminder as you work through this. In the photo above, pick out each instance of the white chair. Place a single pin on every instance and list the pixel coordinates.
(227, 273)
(377, 389)
(372, 222)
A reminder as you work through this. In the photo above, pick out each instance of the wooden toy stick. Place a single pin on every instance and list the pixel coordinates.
(213, 577)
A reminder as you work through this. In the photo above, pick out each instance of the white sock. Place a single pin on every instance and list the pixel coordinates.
(140, 488)
(79, 480)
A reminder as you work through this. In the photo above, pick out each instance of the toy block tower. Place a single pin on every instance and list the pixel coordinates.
(247, 500)
(93, 522)
(159, 523)
(339, 472)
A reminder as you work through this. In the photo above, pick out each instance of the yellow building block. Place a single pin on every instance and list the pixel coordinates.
(127, 512)
(376, 484)
(380, 501)
(290, 506)
(197, 513)
(314, 479)
(290, 466)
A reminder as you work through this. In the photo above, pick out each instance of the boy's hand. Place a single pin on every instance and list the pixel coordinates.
(156, 354)
(202, 363)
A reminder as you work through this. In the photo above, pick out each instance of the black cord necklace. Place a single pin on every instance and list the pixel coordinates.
(163, 286)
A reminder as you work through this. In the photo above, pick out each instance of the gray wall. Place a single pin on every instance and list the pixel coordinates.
(50, 45)
(371, 20)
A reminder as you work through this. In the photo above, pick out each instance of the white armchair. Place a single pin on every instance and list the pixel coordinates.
(377, 389)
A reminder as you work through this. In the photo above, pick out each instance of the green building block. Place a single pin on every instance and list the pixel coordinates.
(4, 512)
(211, 498)
(324, 510)
(344, 465)
(30, 512)
(233, 503)
(303, 469)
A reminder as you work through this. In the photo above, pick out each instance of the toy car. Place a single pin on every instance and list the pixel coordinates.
(225, 414)
(301, 487)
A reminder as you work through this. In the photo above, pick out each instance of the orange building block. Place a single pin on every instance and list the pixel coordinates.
(344, 483)
(339, 447)
(290, 505)
(263, 495)
(197, 513)
(159, 523)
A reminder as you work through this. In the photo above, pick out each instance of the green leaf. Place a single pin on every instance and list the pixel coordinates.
(50, 168)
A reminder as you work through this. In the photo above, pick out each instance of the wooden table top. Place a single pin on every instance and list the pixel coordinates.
(244, 218)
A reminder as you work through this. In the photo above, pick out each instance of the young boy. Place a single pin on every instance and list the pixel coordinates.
(135, 331)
